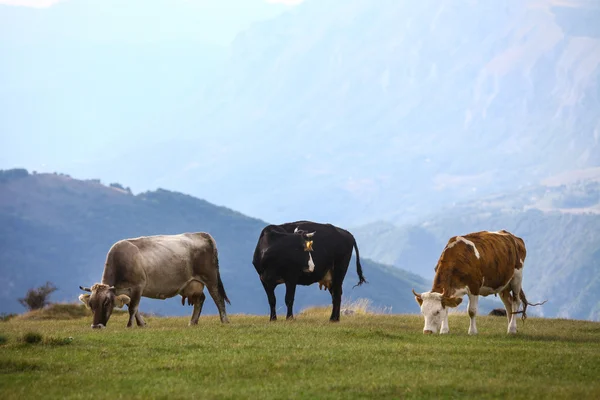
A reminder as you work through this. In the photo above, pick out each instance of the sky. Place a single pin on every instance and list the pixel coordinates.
(210, 21)
(49, 3)
(64, 60)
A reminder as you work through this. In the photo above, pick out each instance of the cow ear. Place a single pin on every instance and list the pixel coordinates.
(419, 300)
(121, 300)
(451, 301)
(85, 299)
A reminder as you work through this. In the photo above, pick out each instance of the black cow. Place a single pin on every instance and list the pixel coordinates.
(302, 253)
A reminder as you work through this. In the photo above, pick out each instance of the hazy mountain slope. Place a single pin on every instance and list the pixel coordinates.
(56, 228)
(385, 110)
(342, 110)
(563, 243)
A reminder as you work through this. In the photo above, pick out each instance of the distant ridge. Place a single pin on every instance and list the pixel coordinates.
(56, 228)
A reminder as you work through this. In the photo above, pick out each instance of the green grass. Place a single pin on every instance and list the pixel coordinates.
(364, 356)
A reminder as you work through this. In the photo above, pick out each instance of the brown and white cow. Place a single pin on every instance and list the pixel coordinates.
(477, 264)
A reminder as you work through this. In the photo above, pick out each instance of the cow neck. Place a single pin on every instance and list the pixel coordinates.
(445, 281)
(108, 278)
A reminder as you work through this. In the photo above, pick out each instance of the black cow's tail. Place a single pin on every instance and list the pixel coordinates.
(220, 286)
(361, 278)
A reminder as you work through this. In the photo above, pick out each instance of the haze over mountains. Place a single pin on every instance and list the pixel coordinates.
(406, 122)
(369, 106)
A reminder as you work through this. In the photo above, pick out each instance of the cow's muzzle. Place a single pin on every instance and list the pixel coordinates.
(98, 326)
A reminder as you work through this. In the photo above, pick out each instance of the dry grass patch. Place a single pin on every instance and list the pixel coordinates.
(60, 311)
(351, 307)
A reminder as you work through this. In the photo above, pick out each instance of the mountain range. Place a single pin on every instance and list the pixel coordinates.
(343, 110)
(406, 122)
(55, 228)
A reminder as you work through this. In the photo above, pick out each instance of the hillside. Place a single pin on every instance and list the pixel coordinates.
(560, 226)
(56, 228)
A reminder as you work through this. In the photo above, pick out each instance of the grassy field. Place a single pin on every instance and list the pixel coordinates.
(364, 356)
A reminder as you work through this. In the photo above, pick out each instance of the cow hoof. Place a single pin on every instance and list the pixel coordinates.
(334, 320)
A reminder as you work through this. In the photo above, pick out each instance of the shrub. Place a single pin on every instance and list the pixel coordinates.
(32, 337)
(3, 340)
(7, 316)
(38, 298)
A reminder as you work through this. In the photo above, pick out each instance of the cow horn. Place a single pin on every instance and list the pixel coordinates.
(111, 288)
(85, 289)
(296, 230)
(416, 294)
(309, 235)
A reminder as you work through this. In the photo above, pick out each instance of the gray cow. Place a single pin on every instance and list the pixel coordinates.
(157, 267)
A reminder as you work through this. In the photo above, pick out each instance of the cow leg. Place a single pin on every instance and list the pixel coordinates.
(198, 303)
(340, 267)
(336, 300)
(213, 290)
(138, 319)
(136, 295)
(515, 285)
(473, 301)
(290, 293)
(507, 301)
(270, 290)
(445, 328)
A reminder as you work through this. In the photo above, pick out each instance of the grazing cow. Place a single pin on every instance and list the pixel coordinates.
(302, 253)
(157, 267)
(477, 264)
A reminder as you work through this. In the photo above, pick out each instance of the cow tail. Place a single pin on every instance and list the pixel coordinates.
(526, 303)
(220, 286)
(361, 278)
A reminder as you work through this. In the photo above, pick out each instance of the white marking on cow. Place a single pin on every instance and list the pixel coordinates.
(311, 264)
(472, 307)
(466, 241)
(498, 232)
(435, 315)
(515, 284)
(521, 261)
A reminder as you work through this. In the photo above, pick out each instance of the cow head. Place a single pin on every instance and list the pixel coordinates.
(434, 307)
(286, 253)
(102, 300)
(308, 238)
